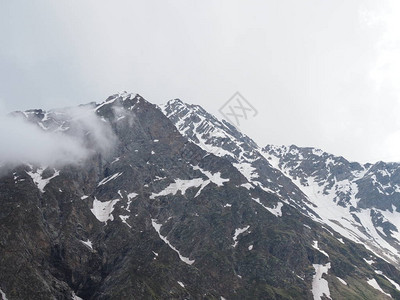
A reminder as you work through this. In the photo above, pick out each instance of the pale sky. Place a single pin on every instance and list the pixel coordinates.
(320, 73)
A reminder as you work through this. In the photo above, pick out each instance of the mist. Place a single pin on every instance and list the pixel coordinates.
(25, 141)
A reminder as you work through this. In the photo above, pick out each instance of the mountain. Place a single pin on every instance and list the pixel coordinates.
(184, 206)
(222, 139)
(358, 201)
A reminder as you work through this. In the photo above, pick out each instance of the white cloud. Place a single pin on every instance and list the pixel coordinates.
(386, 69)
(26, 142)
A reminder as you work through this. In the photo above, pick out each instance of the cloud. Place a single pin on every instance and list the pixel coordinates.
(121, 113)
(26, 142)
(384, 73)
(315, 74)
(386, 69)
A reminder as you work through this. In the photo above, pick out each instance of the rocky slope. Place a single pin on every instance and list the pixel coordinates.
(354, 200)
(358, 201)
(182, 207)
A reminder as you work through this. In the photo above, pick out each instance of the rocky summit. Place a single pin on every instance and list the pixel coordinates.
(172, 203)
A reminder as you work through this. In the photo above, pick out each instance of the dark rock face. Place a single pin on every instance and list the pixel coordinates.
(204, 215)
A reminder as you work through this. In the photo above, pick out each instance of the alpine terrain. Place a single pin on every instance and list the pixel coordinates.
(181, 205)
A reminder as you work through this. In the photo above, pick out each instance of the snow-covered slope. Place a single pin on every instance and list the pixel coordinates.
(357, 201)
(224, 140)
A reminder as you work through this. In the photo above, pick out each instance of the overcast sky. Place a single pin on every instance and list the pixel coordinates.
(320, 73)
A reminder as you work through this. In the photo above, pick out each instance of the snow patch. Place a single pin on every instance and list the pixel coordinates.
(38, 179)
(247, 186)
(315, 246)
(370, 262)
(340, 240)
(105, 103)
(130, 197)
(214, 178)
(75, 297)
(320, 285)
(3, 295)
(103, 210)
(88, 243)
(109, 178)
(394, 218)
(123, 219)
(238, 232)
(397, 286)
(180, 185)
(277, 210)
(341, 280)
(157, 227)
(372, 282)
(247, 170)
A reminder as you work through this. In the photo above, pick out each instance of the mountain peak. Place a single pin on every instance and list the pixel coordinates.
(124, 95)
(175, 101)
(122, 99)
(177, 106)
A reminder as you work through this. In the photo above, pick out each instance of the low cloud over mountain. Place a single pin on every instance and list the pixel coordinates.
(56, 137)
